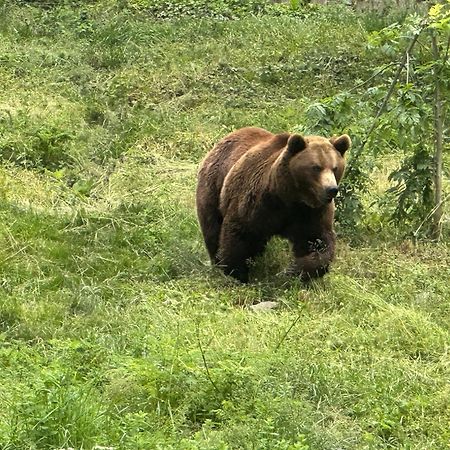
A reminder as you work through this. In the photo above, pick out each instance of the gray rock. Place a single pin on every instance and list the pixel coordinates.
(264, 306)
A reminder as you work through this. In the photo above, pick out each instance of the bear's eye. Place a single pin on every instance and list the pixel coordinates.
(335, 169)
(317, 168)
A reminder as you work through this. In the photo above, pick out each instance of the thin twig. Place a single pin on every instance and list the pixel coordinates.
(438, 142)
(292, 325)
(14, 254)
(407, 68)
(208, 374)
(379, 72)
(433, 210)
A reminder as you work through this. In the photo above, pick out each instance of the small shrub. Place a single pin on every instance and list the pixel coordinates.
(43, 147)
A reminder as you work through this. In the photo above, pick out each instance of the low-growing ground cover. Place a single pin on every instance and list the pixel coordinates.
(114, 329)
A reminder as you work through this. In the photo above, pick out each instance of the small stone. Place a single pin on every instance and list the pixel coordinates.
(264, 306)
(169, 302)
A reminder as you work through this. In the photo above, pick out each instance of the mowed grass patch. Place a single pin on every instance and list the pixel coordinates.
(118, 76)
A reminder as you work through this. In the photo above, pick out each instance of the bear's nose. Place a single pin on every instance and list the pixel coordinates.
(332, 192)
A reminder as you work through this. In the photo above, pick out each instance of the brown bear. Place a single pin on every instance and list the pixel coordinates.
(254, 185)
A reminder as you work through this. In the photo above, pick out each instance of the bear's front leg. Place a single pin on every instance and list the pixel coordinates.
(313, 256)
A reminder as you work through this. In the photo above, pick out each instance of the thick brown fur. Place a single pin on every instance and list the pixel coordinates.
(254, 185)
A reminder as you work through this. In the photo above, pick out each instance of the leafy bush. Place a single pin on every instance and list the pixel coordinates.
(201, 9)
(47, 146)
(405, 129)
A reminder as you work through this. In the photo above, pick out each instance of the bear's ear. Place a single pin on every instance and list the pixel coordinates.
(341, 143)
(295, 144)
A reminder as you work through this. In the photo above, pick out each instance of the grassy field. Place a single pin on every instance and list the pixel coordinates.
(114, 330)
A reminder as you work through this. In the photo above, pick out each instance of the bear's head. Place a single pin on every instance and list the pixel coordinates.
(310, 168)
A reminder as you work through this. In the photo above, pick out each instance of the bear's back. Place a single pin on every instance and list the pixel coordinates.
(227, 152)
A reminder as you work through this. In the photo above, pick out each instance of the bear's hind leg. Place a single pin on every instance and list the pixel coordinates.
(210, 221)
(236, 248)
(211, 225)
(233, 260)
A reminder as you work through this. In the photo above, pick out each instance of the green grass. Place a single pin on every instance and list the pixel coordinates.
(114, 329)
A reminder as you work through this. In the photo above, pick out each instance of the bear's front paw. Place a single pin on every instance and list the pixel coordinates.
(312, 265)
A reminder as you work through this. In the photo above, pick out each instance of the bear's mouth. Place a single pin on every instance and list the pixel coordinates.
(317, 203)
(324, 201)
(317, 200)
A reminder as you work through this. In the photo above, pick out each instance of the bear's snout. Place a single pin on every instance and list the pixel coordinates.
(331, 192)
